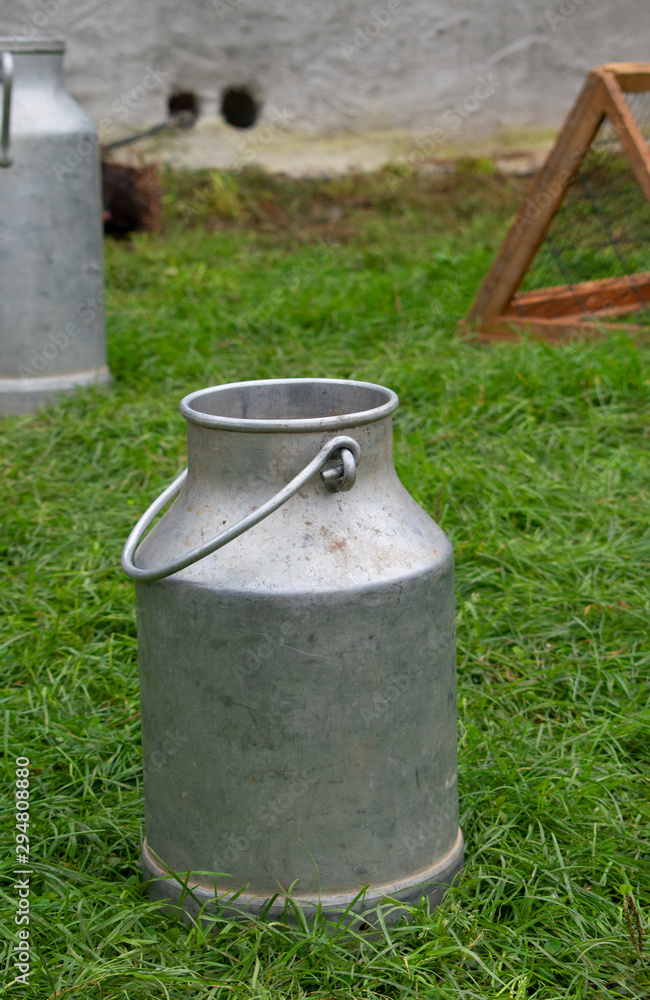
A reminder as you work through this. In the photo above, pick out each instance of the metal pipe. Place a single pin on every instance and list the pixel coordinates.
(7, 82)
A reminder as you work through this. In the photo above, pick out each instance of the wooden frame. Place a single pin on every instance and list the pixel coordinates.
(560, 313)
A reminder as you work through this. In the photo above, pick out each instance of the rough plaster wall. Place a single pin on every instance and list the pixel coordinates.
(341, 65)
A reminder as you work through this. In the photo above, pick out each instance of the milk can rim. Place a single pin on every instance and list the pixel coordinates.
(289, 425)
(32, 46)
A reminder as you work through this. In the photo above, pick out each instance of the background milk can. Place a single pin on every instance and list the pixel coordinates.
(298, 685)
(51, 275)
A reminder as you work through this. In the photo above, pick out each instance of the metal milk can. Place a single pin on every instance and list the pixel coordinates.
(296, 638)
(51, 271)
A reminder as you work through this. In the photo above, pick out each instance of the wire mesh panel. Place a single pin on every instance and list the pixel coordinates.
(639, 105)
(581, 258)
(602, 230)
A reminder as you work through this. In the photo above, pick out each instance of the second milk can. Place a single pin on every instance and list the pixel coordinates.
(297, 659)
(51, 259)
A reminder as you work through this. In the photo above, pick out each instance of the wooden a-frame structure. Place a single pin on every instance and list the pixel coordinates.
(560, 312)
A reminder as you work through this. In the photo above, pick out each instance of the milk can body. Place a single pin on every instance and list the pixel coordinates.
(52, 336)
(298, 687)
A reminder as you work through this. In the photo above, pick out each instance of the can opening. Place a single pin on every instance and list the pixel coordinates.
(32, 46)
(289, 404)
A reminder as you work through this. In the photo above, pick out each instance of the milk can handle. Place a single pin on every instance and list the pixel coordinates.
(338, 479)
(7, 81)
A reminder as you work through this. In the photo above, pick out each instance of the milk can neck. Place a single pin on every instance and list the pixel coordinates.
(36, 64)
(216, 456)
(43, 71)
(271, 429)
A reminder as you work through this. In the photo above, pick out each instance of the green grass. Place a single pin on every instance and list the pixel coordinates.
(533, 460)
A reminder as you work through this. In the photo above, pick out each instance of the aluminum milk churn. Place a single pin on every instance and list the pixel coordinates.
(51, 272)
(296, 640)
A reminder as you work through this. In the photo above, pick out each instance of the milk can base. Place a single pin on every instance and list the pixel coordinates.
(26, 395)
(190, 899)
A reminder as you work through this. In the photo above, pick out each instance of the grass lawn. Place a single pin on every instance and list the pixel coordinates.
(533, 460)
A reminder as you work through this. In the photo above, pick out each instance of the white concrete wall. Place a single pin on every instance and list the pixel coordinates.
(338, 65)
